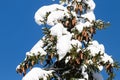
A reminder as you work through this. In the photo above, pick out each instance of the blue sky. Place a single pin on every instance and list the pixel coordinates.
(19, 32)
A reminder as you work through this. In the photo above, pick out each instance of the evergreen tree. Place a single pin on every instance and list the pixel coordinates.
(67, 50)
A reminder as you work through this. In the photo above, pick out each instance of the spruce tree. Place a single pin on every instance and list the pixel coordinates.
(68, 50)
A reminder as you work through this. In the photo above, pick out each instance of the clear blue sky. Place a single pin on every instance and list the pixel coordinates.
(19, 32)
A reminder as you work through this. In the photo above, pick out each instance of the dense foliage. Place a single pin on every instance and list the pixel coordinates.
(68, 50)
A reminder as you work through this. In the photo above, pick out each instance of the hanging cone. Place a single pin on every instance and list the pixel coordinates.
(20, 71)
(51, 38)
(74, 22)
(94, 60)
(80, 8)
(33, 62)
(79, 38)
(76, 9)
(84, 32)
(24, 71)
(78, 60)
(52, 55)
(81, 55)
(27, 66)
(108, 67)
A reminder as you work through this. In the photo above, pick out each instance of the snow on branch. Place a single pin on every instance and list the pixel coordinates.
(42, 13)
(67, 48)
(37, 74)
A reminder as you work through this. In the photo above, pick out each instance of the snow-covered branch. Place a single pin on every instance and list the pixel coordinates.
(38, 73)
(68, 46)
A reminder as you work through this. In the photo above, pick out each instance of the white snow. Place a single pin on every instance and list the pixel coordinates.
(60, 11)
(41, 12)
(28, 54)
(59, 30)
(100, 67)
(40, 43)
(67, 59)
(89, 15)
(81, 25)
(95, 48)
(37, 73)
(90, 11)
(55, 16)
(84, 73)
(95, 43)
(76, 43)
(107, 58)
(37, 48)
(87, 24)
(90, 3)
(63, 45)
(18, 67)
